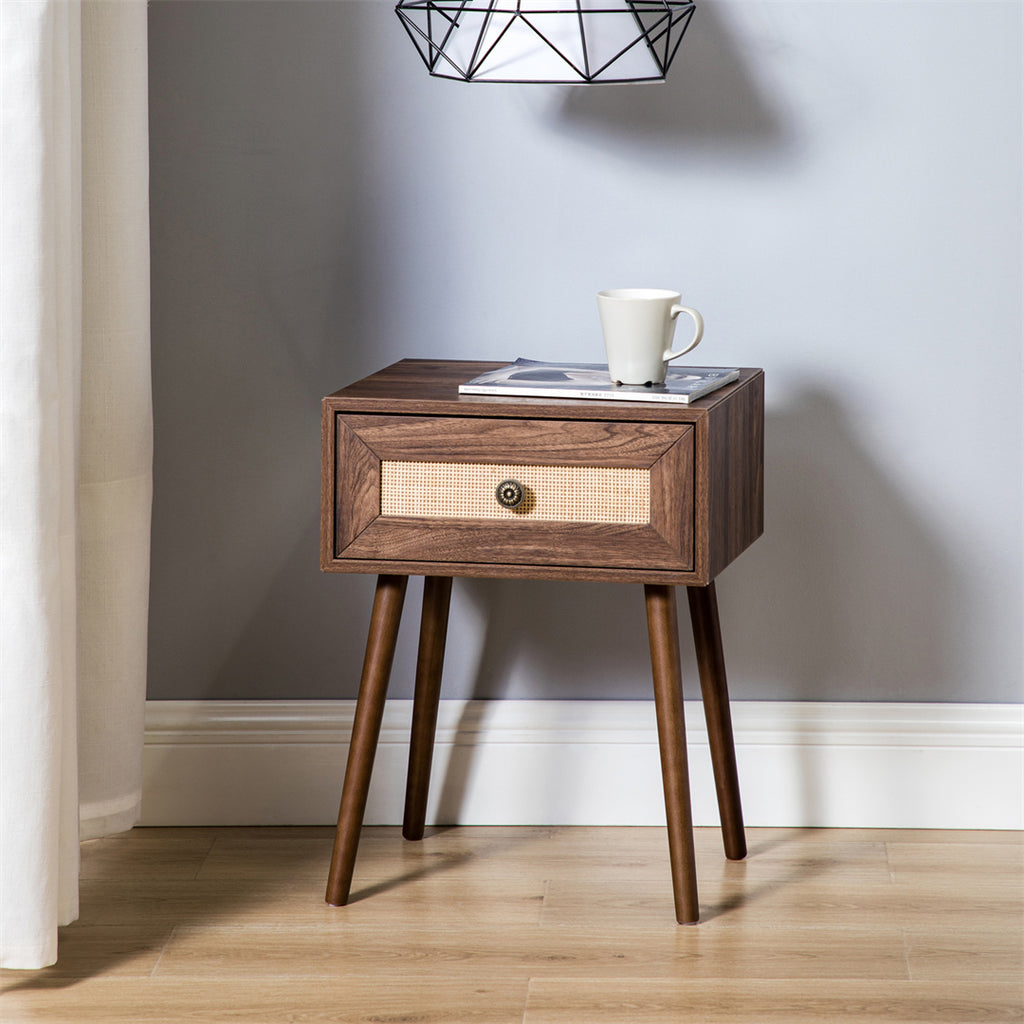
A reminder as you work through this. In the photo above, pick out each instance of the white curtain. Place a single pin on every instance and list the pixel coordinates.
(75, 448)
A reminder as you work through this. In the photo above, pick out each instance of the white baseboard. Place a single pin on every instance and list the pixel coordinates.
(590, 762)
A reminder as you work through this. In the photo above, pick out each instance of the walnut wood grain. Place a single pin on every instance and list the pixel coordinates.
(672, 501)
(380, 653)
(706, 462)
(487, 542)
(357, 493)
(437, 592)
(707, 639)
(328, 484)
(513, 571)
(537, 442)
(430, 387)
(361, 533)
(735, 475)
(668, 703)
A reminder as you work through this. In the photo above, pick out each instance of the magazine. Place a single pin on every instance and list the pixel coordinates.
(534, 379)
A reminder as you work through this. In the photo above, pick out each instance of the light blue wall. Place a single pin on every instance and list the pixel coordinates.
(835, 185)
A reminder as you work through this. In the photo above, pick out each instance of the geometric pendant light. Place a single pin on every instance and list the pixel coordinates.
(579, 42)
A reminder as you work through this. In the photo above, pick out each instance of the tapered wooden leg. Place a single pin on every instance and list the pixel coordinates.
(437, 592)
(668, 701)
(380, 653)
(707, 638)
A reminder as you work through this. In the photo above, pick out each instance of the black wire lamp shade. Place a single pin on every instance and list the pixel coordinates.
(577, 42)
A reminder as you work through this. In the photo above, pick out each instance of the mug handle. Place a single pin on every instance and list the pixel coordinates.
(698, 333)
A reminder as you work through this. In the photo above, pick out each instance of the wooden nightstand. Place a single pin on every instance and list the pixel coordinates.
(623, 492)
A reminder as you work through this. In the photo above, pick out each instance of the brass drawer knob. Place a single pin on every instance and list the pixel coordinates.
(510, 493)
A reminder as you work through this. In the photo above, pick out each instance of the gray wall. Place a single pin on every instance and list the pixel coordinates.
(837, 186)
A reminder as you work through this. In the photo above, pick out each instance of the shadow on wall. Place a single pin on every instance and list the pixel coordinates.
(560, 641)
(708, 100)
(548, 641)
(848, 596)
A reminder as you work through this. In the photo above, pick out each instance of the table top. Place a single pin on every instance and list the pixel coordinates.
(431, 387)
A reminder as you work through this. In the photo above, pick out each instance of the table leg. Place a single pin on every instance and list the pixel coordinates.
(380, 653)
(663, 630)
(437, 592)
(707, 638)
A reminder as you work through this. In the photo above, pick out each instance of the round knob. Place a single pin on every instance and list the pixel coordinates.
(510, 493)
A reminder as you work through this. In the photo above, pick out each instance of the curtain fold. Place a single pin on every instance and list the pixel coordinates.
(75, 448)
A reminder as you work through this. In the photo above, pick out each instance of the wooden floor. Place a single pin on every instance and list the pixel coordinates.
(537, 925)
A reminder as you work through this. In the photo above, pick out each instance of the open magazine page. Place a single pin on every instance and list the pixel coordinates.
(531, 378)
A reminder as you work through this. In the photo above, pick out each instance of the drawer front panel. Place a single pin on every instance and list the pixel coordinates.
(467, 490)
(597, 494)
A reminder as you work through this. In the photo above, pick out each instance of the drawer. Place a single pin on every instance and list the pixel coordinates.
(422, 490)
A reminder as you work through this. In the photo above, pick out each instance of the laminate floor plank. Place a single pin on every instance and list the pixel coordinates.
(258, 854)
(929, 836)
(732, 1001)
(383, 853)
(920, 862)
(961, 954)
(333, 999)
(739, 903)
(88, 950)
(429, 901)
(487, 953)
(537, 926)
(145, 853)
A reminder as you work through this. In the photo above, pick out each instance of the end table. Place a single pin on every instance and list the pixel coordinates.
(419, 480)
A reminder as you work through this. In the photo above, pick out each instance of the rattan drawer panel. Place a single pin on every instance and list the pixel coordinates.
(565, 494)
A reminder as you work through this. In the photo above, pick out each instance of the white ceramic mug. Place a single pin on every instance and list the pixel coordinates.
(638, 324)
